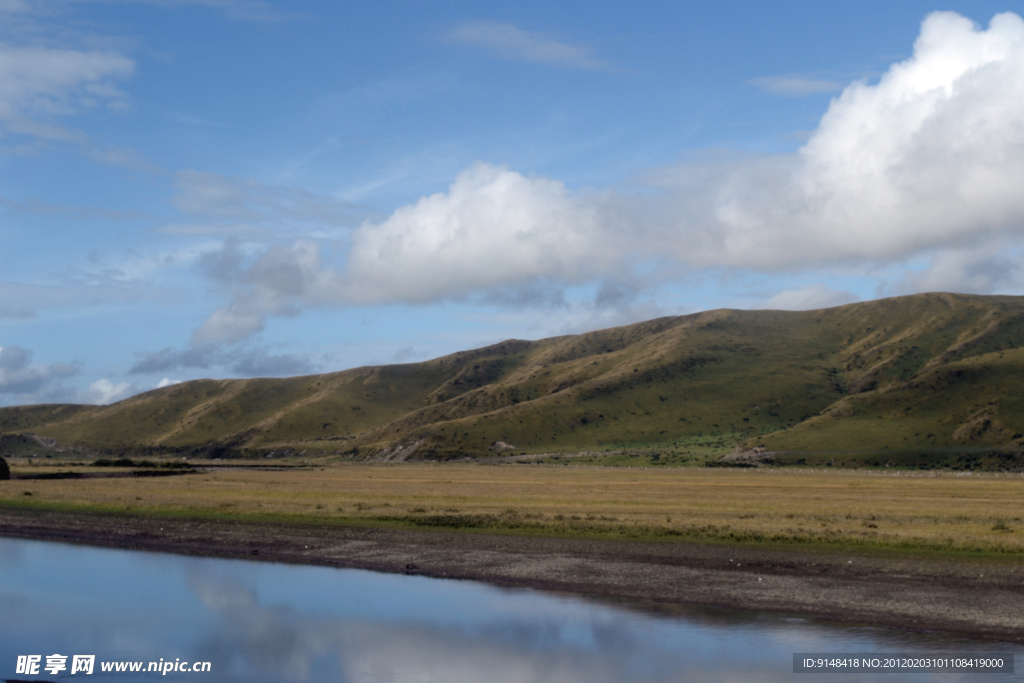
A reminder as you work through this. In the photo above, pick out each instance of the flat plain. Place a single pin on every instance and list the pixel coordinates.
(948, 514)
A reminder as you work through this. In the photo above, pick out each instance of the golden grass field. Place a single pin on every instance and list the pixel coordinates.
(826, 508)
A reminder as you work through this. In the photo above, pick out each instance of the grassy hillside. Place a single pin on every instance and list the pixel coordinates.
(910, 380)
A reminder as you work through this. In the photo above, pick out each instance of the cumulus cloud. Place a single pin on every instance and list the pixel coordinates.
(103, 392)
(931, 156)
(927, 163)
(511, 42)
(493, 227)
(809, 298)
(495, 232)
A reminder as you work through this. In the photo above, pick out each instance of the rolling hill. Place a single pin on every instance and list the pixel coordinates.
(924, 380)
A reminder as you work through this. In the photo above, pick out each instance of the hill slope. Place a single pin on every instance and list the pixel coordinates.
(917, 375)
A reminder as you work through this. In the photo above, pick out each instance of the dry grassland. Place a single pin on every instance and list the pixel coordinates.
(943, 512)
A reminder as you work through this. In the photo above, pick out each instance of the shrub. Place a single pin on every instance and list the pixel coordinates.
(5, 471)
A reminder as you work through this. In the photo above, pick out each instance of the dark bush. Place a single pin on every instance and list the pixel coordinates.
(5, 471)
(120, 462)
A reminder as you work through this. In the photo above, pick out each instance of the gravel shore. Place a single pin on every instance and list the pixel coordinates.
(975, 599)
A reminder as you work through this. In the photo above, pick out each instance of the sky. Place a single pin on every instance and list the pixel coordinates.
(236, 188)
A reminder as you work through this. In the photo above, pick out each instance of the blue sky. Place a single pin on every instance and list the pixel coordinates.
(227, 188)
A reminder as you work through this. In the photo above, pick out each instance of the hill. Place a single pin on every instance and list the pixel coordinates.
(924, 380)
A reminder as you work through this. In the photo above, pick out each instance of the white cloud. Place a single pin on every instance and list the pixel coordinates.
(511, 42)
(931, 156)
(983, 269)
(928, 163)
(795, 85)
(493, 227)
(37, 83)
(167, 382)
(809, 298)
(103, 392)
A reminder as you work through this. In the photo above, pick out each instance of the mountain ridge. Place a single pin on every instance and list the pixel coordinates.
(927, 373)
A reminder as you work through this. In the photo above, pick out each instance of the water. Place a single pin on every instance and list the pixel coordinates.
(271, 622)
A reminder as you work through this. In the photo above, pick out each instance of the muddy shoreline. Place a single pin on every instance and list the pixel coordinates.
(980, 600)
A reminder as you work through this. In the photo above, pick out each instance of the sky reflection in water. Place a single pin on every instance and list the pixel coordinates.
(270, 622)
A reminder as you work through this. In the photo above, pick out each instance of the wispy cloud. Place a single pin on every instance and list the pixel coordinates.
(16, 313)
(250, 361)
(37, 207)
(241, 10)
(213, 196)
(511, 42)
(19, 300)
(38, 84)
(794, 85)
(15, 7)
(50, 73)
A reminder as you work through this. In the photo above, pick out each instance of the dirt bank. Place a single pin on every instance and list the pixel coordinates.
(984, 600)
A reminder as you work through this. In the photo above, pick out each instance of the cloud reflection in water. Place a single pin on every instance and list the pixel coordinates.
(273, 622)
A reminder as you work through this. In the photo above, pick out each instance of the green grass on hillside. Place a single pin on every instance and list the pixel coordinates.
(925, 378)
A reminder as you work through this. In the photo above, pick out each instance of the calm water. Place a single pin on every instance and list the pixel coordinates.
(270, 622)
